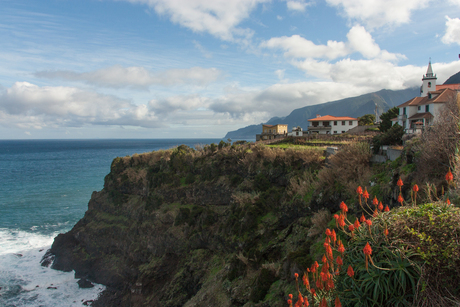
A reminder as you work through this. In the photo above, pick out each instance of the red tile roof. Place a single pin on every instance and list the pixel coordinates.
(439, 96)
(330, 117)
(451, 86)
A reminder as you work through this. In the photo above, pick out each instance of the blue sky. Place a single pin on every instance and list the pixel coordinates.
(200, 68)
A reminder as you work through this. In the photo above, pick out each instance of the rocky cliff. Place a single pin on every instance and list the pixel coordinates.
(222, 226)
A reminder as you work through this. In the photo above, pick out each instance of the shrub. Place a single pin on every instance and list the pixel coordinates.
(438, 144)
(392, 136)
(391, 280)
(429, 230)
(190, 178)
(348, 169)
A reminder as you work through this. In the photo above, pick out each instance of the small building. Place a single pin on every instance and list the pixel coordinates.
(296, 132)
(419, 112)
(331, 124)
(272, 132)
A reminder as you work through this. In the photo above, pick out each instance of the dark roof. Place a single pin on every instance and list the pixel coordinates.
(421, 115)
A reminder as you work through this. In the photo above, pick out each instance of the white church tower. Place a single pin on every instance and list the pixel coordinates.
(429, 82)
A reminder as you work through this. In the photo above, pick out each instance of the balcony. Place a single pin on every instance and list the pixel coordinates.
(402, 117)
(320, 128)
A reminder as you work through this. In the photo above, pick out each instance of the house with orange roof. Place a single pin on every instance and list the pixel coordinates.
(328, 124)
(422, 111)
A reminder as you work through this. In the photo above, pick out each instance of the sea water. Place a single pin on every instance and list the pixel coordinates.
(45, 186)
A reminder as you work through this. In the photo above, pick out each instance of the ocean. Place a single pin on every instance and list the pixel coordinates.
(45, 186)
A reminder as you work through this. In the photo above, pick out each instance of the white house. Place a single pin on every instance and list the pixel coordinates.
(296, 132)
(422, 111)
(331, 124)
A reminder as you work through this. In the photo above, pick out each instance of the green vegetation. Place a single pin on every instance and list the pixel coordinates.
(366, 120)
(393, 136)
(229, 225)
(386, 118)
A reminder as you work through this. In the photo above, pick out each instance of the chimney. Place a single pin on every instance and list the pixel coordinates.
(317, 115)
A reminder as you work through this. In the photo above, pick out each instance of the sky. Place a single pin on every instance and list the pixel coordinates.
(78, 69)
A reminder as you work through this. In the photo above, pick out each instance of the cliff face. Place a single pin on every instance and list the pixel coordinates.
(218, 227)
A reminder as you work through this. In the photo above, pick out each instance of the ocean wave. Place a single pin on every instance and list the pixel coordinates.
(24, 282)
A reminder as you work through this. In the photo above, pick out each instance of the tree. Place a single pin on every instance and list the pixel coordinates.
(366, 120)
(386, 117)
(393, 136)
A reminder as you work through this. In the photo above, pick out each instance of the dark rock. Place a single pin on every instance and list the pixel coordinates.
(52, 288)
(18, 255)
(47, 259)
(84, 283)
(88, 302)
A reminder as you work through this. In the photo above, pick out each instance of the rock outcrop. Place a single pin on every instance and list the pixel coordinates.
(225, 226)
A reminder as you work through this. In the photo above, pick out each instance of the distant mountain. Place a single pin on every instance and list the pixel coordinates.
(353, 107)
(454, 79)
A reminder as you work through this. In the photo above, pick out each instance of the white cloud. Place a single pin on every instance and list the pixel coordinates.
(378, 13)
(280, 73)
(296, 46)
(297, 5)
(178, 103)
(452, 34)
(280, 99)
(137, 77)
(219, 18)
(26, 105)
(359, 40)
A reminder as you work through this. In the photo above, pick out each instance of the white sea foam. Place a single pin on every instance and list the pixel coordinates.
(24, 282)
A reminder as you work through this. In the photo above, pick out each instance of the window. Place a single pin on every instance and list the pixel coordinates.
(404, 111)
(335, 123)
(427, 108)
(429, 84)
(343, 123)
(419, 108)
(335, 132)
(343, 131)
(350, 122)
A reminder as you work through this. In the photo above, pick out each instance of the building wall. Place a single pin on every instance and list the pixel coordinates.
(340, 126)
(426, 88)
(337, 127)
(277, 129)
(436, 107)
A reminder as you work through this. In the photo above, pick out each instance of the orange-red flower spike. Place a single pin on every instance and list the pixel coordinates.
(375, 201)
(356, 224)
(400, 199)
(350, 271)
(449, 176)
(365, 194)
